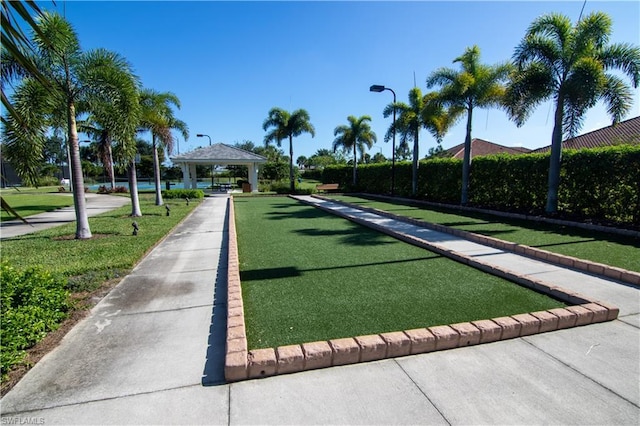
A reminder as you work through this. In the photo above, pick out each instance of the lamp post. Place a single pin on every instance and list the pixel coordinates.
(378, 88)
(199, 135)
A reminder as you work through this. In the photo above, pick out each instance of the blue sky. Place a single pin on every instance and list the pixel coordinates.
(230, 62)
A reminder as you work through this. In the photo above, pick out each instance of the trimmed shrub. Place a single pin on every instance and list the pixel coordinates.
(600, 185)
(192, 194)
(34, 302)
(515, 183)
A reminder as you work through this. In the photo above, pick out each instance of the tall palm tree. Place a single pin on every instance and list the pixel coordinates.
(158, 118)
(287, 125)
(357, 135)
(421, 112)
(115, 121)
(475, 86)
(76, 81)
(570, 64)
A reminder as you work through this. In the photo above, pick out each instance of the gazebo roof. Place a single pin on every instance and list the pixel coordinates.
(219, 154)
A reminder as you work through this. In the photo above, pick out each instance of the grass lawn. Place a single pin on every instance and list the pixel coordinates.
(111, 252)
(614, 250)
(31, 202)
(308, 275)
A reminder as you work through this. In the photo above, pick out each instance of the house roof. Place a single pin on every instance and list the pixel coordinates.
(624, 131)
(219, 154)
(481, 147)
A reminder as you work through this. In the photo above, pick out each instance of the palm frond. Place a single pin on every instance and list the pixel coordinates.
(623, 57)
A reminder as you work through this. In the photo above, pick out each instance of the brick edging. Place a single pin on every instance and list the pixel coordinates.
(594, 268)
(242, 364)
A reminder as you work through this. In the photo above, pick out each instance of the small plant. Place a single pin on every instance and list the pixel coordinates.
(34, 302)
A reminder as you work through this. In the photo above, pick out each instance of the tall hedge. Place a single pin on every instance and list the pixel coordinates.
(601, 184)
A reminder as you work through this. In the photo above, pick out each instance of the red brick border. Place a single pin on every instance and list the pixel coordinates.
(241, 364)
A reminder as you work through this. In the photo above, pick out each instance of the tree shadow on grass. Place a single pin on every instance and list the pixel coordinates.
(353, 237)
(467, 223)
(310, 213)
(293, 271)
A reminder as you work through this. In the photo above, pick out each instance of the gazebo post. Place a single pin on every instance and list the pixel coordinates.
(253, 176)
(194, 176)
(185, 175)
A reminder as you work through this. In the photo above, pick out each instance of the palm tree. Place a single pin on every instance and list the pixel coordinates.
(287, 125)
(76, 82)
(301, 161)
(474, 86)
(356, 135)
(157, 117)
(422, 111)
(15, 43)
(115, 121)
(571, 64)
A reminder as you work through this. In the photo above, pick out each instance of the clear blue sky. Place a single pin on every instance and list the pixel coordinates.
(230, 62)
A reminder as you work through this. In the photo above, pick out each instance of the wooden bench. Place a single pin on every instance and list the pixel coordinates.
(327, 187)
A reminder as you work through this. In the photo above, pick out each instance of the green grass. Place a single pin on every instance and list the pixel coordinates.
(28, 203)
(308, 276)
(610, 249)
(112, 251)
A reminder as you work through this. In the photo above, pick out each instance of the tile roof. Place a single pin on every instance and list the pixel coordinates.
(624, 131)
(219, 153)
(481, 147)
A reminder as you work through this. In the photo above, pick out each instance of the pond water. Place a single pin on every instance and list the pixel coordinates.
(146, 186)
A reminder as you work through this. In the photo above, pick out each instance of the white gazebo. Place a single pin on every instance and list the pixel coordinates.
(217, 154)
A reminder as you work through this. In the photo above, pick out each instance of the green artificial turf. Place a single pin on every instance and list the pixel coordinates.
(28, 203)
(308, 276)
(610, 249)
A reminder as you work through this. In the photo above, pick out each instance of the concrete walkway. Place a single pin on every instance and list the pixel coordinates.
(151, 353)
(96, 204)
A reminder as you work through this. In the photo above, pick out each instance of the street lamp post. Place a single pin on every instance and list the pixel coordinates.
(199, 135)
(378, 88)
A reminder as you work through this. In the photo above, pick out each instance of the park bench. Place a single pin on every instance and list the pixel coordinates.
(327, 187)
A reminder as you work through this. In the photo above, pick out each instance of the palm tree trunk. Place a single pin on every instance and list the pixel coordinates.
(156, 172)
(77, 181)
(414, 179)
(355, 166)
(555, 159)
(292, 183)
(109, 165)
(133, 189)
(466, 162)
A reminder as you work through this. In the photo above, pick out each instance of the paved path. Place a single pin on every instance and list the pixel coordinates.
(96, 204)
(151, 353)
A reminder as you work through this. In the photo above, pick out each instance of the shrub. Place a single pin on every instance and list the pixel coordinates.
(48, 181)
(192, 194)
(599, 184)
(34, 302)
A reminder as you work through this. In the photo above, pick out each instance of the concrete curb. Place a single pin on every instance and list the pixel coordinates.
(242, 364)
(594, 268)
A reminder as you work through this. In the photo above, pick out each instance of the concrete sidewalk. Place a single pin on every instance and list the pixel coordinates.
(151, 353)
(96, 204)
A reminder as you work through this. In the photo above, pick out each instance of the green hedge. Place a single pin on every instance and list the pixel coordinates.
(192, 194)
(601, 184)
(34, 302)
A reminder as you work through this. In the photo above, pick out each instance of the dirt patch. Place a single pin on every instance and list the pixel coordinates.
(82, 304)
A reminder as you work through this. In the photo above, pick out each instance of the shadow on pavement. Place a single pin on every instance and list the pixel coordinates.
(213, 373)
